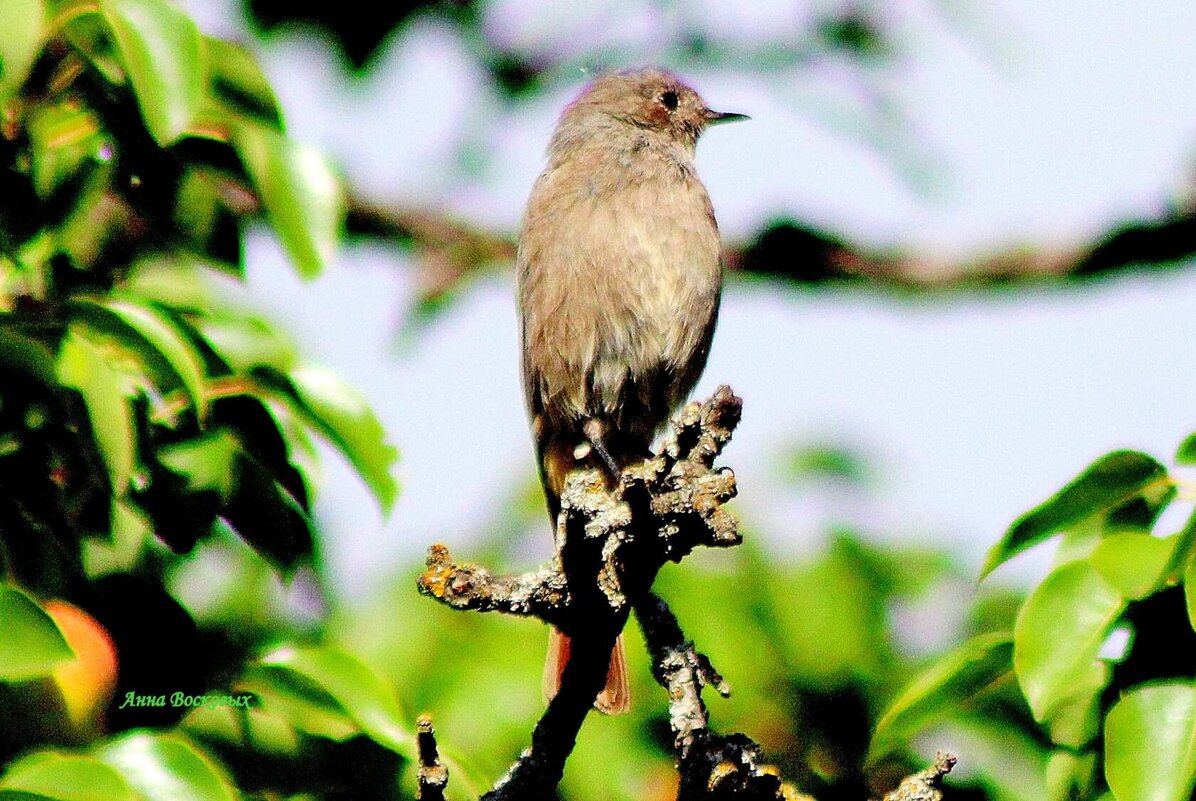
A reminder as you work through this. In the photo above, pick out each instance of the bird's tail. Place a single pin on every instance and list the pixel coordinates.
(615, 698)
(558, 456)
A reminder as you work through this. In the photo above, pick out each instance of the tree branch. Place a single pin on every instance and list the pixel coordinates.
(450, 251)
(924, 786)
(542, 593)
(680, 669)
(711, 766)
(610, 544)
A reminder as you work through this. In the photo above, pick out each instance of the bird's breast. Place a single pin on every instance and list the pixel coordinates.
(619, 278)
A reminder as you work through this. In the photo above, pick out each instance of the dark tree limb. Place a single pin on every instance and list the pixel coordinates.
(450, 251)
(610, 544)
(680, 669)
(711, 766)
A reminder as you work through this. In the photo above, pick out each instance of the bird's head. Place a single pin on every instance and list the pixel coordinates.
(650, 99)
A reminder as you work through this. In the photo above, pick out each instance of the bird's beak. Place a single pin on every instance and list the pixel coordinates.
(716, 117)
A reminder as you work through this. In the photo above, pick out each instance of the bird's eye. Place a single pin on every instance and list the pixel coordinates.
(669, 99)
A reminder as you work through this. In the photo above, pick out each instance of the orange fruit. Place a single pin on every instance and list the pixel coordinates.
(87, 682)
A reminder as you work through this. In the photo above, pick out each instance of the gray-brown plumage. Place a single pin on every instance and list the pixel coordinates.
(619, 280)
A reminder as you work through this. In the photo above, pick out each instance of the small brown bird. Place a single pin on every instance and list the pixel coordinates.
(619, 277)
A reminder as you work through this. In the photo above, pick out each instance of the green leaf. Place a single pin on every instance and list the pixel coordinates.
(165, 340)
(1059, 632)
(238, 82)
(959, 675)
(165, 59)
(1134, 563)
(245, 342)
(167, 768)
(27, 355)
(302, 703)
(1183, 550)
(20, 40)
(1110, 482)
(302, 197)
(827, 461)
(361, 692)
(267, 733)
(1075, 719)
(82, 364)
(177, 281)
(32, 644)
(1150, 744)
(268, 516)
(1187, 451)
(338, 411)
(1070, 775)
(66, 777)
(121, 554)
(62, 137)
(208, 461)
(91, 35)
(1142, 512)
(1190, 591)
(1079, 541)
(205, 223)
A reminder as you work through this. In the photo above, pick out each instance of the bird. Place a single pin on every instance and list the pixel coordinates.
(619, 278)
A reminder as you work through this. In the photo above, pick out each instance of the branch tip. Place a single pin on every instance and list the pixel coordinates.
(925, 786)
(433, 776)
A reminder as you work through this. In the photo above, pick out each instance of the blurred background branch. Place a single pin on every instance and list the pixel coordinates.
(450, 251)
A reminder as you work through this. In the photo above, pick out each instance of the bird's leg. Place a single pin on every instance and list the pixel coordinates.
(595, 431)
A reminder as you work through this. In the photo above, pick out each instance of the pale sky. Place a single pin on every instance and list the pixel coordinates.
(1042, 123)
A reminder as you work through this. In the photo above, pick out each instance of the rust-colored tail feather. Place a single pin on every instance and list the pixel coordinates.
(557, 458)
(615, 698)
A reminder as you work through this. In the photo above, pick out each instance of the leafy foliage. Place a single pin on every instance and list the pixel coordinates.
(1116, 720)
(145, 428)
(1112, 484)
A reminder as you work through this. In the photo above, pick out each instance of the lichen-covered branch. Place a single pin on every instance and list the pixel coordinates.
(924, 786)
(725, 767)
(680, 669)
(607, 540)
(542, 593)
(711, 766)
(610, 544)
